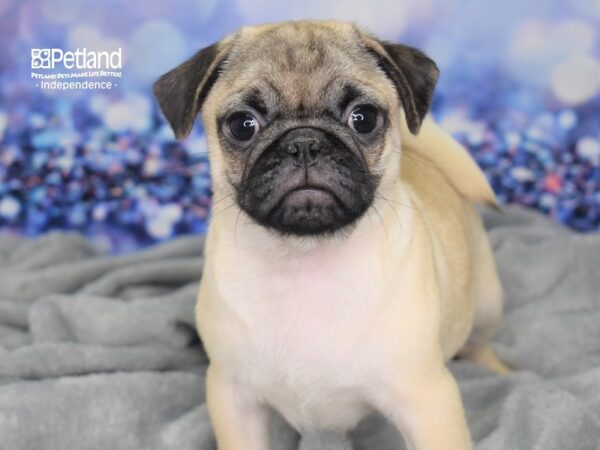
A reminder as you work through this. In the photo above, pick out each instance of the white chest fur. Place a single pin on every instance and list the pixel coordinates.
(305, 323)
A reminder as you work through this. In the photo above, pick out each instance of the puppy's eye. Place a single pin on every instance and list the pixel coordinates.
(243, 126)
(363, 119)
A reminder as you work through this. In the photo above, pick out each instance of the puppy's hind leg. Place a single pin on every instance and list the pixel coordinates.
(488, 309)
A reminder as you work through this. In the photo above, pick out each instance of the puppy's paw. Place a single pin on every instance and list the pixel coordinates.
(486, 357)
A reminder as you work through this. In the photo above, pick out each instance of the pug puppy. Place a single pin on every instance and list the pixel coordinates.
(345, 262)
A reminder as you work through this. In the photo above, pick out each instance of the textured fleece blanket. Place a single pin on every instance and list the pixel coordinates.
(100, 352)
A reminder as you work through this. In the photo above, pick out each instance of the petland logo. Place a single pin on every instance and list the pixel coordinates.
(81, 63)
(82, 58)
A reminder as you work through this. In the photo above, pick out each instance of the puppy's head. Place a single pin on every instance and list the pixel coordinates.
(302, 118)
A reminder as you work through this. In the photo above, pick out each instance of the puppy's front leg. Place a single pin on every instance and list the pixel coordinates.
(240, 422)
(428, 412)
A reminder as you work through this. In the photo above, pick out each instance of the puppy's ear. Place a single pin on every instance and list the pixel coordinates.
(181, 91)
(413, 73)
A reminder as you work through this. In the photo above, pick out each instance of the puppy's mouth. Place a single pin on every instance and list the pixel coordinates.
(308, 210)
(305, 196)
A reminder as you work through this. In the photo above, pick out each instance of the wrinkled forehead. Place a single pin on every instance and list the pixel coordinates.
(305, 67)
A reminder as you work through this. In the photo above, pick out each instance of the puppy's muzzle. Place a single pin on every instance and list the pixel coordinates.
(306, 182)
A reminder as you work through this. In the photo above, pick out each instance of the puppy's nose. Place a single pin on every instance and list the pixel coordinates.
(304, 152)
(303, 145)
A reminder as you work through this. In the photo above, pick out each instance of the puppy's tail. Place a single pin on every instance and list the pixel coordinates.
(440, 149)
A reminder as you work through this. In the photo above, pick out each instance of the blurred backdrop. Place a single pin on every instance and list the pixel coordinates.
(520, 86)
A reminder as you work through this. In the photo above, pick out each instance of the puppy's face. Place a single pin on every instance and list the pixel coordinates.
(302, 119)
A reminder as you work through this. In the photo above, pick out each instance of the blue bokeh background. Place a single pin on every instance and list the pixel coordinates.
(520, 86)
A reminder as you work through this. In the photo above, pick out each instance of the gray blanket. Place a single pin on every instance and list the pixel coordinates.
(100, 352)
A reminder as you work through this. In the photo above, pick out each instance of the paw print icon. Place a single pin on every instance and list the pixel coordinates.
(40, 58)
